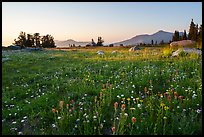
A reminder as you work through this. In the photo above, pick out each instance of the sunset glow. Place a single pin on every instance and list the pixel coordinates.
(82, 21)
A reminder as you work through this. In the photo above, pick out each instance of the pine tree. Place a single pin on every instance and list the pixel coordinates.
(184, 37)
(176, 36)
(200, 34)
(162, 42)
(152, 42)
(196, 33)
(191, 34)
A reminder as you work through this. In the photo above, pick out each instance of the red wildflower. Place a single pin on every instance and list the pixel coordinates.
(175, 94)
(72, 101)
(111, 85)
(169, 98)
(180, 97)
(113, 129)
(115, 105)
(164, 94)
(53, 110)
(134, 119)
(67, 105)
(123, 106)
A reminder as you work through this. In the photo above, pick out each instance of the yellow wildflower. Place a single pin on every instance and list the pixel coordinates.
(164, 117)
(132, 108)
(166, 108)
(141, 100)
(162, 104)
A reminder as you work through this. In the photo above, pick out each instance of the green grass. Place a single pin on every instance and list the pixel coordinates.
(33, 83)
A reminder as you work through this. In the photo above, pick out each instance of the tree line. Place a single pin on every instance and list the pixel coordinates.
(34, 40)
(195, 33)
(99, 43)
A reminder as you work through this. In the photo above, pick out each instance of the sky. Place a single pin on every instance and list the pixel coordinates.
(83, 21)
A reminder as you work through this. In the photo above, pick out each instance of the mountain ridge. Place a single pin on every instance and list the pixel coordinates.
(136, 40)
(147, 38)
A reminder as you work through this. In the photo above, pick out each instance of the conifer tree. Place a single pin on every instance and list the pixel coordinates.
(191, 34)
(184, 37)
(176, 36)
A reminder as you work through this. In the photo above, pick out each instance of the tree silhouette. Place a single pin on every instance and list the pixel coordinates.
(34, 40)
(100, 41)
(93, 43)
(21, 40)
(192, 31)
(37, 39)
(48, 41)
(176, 36)
(200, 34)
(162, 42)
(29, 41)
(152, 42)
(184, 36)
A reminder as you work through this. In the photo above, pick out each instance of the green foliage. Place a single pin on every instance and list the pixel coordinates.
(21, 40)
(38, 81)
(35, 40)
(48, 41)
(100, 41)
(176, 36)
(167, 51)
(184, 36)
(195, 33)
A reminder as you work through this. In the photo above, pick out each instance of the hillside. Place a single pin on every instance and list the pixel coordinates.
(69, 42)
(147, 39)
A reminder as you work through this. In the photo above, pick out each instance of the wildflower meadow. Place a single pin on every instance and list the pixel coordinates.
(78, 92)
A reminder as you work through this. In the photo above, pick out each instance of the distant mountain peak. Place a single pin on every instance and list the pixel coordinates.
(161, 31)
(70, 40)
(147, 38)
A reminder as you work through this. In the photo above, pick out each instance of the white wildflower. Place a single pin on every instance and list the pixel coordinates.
(53, 125)
(20, 133)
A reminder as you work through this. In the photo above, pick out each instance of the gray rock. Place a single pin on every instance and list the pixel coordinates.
(134, 48)
(182, 43)
(186, 50)
(100, 52)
